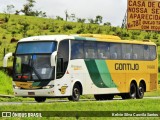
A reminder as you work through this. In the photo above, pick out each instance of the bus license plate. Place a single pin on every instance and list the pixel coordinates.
(31, 93)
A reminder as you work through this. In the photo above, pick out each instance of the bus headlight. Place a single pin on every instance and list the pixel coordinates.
(15, 87)
(48, 86)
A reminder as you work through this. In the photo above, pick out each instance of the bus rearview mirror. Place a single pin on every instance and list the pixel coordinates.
(53, 58)
(5, 60)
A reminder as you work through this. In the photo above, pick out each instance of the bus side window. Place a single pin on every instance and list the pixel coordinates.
(152, 53)
(134, 56)
(138, 52)
(126, 51)
(115, 51)
(103, 50)
(77, 50)
(146, 52)
(90, 49)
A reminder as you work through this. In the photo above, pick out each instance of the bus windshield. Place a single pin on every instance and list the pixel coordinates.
(32, 61)
(35, 47)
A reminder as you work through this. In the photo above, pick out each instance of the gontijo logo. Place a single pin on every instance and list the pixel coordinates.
(126, 66)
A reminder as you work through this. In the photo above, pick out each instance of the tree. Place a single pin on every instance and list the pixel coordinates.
(25, 27)
(28, 9)
(98, 19)
(91, 21)
(59, 18)
(81, 20)
(107, 24)
(8, 12)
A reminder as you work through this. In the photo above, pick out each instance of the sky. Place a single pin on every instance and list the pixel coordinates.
(112, 11)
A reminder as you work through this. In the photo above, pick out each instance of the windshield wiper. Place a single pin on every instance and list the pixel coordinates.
(36, 73)
(34, 70)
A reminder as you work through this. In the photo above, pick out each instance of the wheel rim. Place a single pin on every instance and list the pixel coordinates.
(141, 90)
(76, 93)
(133, 91)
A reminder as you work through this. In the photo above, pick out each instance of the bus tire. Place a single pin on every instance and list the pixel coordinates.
(75, 93)
(132, 92)
(40, 99)
(140, 91)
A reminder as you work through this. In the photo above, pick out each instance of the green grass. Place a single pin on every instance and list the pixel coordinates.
(115, 105)
(155, 93)
(5, 84)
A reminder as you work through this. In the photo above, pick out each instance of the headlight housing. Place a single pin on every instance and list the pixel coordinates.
(48, 87)
(15, 87)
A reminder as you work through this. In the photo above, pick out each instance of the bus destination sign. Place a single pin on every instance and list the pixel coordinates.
(143, 15)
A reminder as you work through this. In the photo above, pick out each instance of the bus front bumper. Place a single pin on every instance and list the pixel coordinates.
(34, 93)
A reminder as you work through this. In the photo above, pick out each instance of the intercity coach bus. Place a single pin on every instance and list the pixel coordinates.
(74, 65)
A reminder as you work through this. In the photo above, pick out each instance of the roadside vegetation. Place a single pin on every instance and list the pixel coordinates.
(144, 105)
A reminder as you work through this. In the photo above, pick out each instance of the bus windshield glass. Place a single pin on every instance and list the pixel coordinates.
(35, 47)
(32, 61)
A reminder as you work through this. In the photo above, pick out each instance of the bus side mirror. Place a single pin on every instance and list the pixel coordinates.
(5, 60)
(53, 58)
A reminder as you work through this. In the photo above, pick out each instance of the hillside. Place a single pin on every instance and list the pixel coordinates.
(19, 26)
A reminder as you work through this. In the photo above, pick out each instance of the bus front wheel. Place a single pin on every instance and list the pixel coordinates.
(40, 99)
(75, 93)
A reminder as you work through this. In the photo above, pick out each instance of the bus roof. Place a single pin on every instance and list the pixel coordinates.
(90, 37)
(46, 38)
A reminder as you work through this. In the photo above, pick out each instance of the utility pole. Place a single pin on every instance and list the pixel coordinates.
(124, 22)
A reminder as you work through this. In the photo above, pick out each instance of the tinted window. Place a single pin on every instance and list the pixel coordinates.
(138, 52)
(77, 50)
(152, 52)
(103, 50)
(36, 47)
(126, 51)
(146, 52)
(90, 50)
(115, 51)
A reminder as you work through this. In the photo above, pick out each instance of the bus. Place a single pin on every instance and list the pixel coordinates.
(74, 65)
